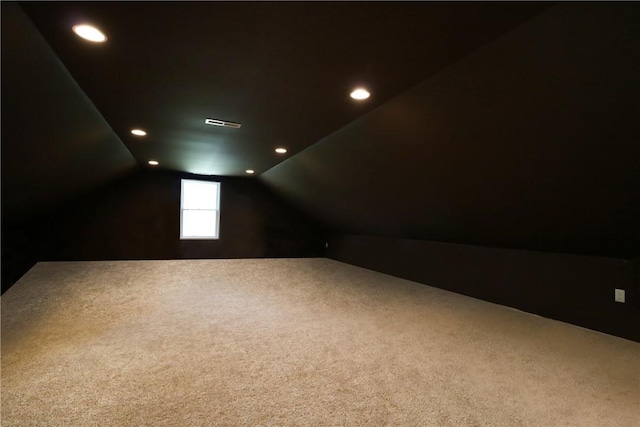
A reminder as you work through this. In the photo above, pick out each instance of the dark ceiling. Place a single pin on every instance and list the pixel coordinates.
(55, 143)
(283, 70)
(531, 142)
(510, 124)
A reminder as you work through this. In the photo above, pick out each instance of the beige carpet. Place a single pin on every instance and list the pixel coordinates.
(310, 342)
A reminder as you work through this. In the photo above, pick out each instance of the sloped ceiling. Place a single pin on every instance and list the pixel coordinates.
(55, 143)
(284, 70)
(503, 124)
(530, 142)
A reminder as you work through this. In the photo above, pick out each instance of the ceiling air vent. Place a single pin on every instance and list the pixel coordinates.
(222, 123)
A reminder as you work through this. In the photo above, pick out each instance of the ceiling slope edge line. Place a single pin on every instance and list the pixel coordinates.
(403, 94)
(73, 81)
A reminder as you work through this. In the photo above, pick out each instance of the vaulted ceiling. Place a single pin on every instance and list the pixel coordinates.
(531, 142)
(502, 124)
(282, 70)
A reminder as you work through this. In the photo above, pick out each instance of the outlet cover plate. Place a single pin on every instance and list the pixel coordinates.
(620, 297)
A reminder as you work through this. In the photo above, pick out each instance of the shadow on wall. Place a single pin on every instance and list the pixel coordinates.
(17, 256)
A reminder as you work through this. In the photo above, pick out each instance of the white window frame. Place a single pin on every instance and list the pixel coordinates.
(217, 211)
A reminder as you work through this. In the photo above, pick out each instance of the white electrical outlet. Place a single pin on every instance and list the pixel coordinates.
(326, 245)
(619, 295)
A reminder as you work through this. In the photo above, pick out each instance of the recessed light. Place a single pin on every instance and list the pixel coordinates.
(281, 150)
(153, 163)
(138, 132)
(250, 171)
(90, 33)
(360, 94)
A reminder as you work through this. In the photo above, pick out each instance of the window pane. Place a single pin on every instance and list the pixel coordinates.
(199, 195)
(199, 223)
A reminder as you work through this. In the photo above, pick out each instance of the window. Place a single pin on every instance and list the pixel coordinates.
(199, 209)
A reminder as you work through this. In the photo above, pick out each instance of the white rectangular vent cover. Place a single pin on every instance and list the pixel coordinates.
(222, 123)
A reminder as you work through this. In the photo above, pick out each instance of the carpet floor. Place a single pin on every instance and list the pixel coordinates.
(309, 342)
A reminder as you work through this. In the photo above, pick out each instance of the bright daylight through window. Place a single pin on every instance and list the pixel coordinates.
(199, 209)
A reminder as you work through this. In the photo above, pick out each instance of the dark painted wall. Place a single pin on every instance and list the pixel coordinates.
(528, 144)
(531, 142)
(138, 218)
(572, 288)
